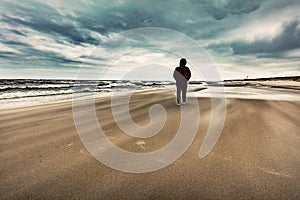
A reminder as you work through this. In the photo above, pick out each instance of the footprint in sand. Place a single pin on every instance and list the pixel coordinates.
(111, 137)
(70, 144)
(141, 144)
(82, 151)
(273, 172)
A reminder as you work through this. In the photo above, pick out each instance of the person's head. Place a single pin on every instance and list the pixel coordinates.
(182, 62)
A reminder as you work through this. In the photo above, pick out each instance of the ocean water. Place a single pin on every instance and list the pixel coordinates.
(27, 92)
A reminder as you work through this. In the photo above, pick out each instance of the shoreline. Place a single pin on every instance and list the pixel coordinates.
(17, 95)
(284, 93)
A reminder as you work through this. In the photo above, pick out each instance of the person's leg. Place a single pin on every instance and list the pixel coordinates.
(184, 90)
(178, 93)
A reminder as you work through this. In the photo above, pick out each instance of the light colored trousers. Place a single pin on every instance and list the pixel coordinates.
(181, 89)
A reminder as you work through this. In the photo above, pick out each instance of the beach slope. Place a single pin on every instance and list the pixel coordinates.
(256, 157)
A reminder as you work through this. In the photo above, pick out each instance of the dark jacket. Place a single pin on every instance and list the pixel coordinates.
(182, 74)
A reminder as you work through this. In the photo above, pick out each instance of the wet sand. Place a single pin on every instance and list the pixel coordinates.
(256, 157)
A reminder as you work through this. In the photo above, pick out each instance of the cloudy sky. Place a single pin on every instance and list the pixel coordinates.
(112, 39)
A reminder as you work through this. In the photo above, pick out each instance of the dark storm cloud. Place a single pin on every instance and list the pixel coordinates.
(219, 47)
(113, 17)
(44, 58)
(105, 21)
(60, 32)
(241, 6)
(18, 32)
(43, 18)
(55, 29)
(221, 9)
(14, 43)
(287, 39)
(24, 52)
(51, 56)
(6, 54)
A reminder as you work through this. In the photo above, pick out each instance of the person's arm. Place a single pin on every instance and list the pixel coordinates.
(188, 76)
(175, 74)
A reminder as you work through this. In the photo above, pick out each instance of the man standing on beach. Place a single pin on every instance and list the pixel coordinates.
(182, 74)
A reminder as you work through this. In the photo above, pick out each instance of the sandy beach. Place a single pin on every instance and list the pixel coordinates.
(256, 157)
(151, 100)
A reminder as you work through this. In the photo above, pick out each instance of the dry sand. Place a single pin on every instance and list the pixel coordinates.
(256, 157)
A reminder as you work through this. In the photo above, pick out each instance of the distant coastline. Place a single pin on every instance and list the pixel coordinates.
(280, 78)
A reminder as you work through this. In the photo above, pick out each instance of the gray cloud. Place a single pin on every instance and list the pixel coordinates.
(54, 33)
(221, 9)
(240, 6)
(113, 17)
(14, 43)
(18, 32)
(46, 19)
(43, 58)
(287, 39)
(6, 54)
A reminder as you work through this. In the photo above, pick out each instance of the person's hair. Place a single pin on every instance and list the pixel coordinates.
(182, 62)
